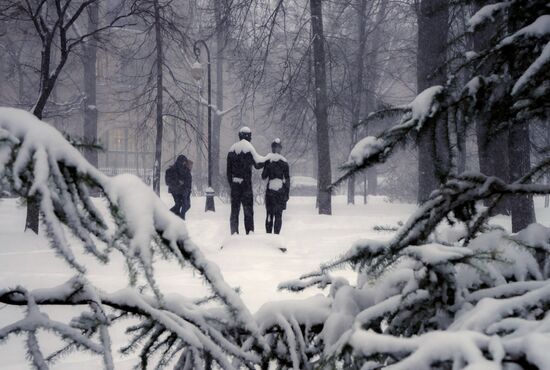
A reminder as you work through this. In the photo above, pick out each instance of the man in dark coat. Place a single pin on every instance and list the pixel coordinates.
(179, 180)
(277, 173)
(240, 159)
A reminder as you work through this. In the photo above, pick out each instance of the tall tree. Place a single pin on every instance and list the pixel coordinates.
(433, 139)
(492, 142)
(358, 84)
(89, 59)
(321, 109)
(53, 22)
(159, 61)
(519, 147)
(522, 208)
(373, 80)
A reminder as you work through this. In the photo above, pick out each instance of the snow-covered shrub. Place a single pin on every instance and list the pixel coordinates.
(292, 329)
(427, 304)
(37, 162)
(478, 298)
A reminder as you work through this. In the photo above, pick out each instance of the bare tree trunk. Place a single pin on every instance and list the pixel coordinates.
(47, 82)
(365, 189)
(321, 109)
(373, 78)
(519, 148)
(547, 196)
(519, 157)
(90, 85)
(3, 57)
(460, 129)
(217, 121)
(492, 145)
(358, 82)
(159, 123)
(433, 139)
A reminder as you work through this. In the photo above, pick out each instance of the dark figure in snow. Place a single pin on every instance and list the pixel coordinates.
(179, 180)
(241, 158)
(276, 172)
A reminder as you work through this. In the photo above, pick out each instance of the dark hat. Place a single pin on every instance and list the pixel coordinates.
(276, 142)
(181, 159)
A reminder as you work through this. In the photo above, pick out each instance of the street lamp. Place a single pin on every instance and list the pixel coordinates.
(197, 72)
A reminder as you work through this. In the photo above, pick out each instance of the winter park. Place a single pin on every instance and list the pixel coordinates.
(259, 184)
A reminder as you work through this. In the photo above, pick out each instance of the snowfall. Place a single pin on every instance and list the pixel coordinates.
(256, 264)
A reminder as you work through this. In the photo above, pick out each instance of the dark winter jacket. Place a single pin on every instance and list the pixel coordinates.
(240, 160)
(179, 179)
(276, 171)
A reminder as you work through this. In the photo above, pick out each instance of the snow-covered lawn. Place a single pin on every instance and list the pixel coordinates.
(253, 263)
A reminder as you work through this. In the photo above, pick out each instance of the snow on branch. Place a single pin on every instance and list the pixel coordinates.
(427, 309)
(460, 349)
(475, 297)
(466, 294)
(488, 13)
(455, 197)
(291, 328)
(493, 333)
(37, 162)
(372, 150)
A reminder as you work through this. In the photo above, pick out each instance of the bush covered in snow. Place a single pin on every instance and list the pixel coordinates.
(37, 162)
(473, 296)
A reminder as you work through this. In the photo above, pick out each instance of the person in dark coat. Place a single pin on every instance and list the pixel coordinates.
(179, 180)
(277, 173)
(240, 159)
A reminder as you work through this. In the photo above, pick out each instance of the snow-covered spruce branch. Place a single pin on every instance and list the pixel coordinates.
(534, 35)
(456, 197)
(292, 329)
(475, 297)
(372, 150)
(34, 320)
(189, 326)
(37, 162)
(412, 285)
(491, 335)
(436, 349)
(496, 288)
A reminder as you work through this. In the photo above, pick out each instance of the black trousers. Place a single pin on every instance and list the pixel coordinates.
(182, 203)
(274, 220)
(275, 204)
(241, 195)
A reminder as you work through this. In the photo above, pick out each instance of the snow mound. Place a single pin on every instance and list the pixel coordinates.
(254, 243)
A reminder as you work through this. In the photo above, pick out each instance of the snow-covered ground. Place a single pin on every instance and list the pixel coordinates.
(254, 263)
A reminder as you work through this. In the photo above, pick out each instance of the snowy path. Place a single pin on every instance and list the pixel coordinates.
(310, 239)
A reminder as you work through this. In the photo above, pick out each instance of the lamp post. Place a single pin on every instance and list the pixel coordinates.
(197, 71)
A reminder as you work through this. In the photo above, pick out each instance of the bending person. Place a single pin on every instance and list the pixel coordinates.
(179, 180)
